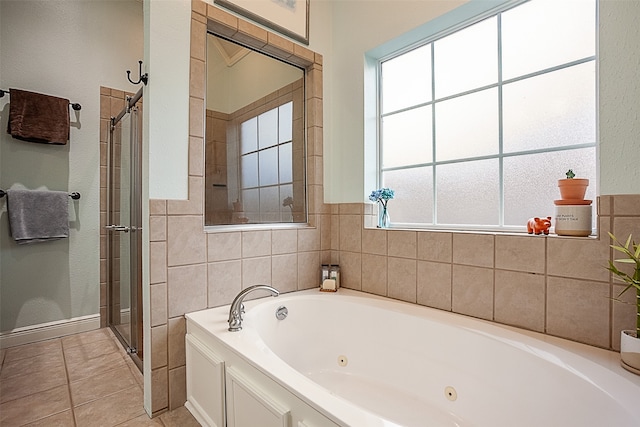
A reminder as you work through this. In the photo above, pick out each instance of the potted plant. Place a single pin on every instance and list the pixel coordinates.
(629, 339)
(572, 188)
(573, 212)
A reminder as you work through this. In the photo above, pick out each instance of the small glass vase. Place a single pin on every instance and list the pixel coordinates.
(383, 217)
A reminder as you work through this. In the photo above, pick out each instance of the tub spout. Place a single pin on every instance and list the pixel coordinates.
(237, 308)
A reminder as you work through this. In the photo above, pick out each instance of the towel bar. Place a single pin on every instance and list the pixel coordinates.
(74, 105)
(75, 195)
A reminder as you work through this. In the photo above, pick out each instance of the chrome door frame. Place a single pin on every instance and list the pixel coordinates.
(134, 230)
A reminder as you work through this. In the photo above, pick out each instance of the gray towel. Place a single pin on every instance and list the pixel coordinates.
(38, 216)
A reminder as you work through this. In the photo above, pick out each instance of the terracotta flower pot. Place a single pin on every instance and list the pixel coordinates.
(573, 189)
(630, 351)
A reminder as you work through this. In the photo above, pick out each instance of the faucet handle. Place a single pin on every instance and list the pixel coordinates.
(236, 310)
(235, 321)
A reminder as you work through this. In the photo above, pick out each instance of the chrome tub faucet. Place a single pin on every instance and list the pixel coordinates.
(237, 308)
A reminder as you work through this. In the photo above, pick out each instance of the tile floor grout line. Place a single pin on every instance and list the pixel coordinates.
(107, 395)
(66, 371)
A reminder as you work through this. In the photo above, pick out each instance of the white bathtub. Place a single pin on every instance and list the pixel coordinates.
(365, 361)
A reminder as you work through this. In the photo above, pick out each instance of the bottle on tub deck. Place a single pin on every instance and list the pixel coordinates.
(330, 278)
(334, 273)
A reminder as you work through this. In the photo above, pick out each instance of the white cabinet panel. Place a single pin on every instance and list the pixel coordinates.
(205, 384)
(248, 405)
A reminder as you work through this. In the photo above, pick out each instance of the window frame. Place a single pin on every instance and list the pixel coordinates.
(241, 155)
(431, 32)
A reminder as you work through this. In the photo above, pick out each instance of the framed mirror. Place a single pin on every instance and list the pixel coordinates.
(254, 138)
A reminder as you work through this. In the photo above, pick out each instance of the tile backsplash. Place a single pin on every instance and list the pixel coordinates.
(549, 284)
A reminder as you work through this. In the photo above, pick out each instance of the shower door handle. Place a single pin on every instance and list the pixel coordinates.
(117, 228)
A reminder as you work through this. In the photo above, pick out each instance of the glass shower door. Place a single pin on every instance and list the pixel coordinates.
(124, 233)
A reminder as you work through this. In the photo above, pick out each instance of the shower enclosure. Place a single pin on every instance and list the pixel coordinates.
(124, 236)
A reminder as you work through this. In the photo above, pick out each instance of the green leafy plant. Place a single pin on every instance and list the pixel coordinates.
(631, 250)
(570, 174)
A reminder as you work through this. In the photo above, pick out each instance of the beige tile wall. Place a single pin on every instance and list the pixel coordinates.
(550, 284)
(192, 269)
(553, 285)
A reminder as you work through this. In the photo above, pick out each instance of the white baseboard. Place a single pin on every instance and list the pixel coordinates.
(46, 331)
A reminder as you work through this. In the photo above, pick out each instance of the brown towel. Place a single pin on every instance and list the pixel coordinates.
(36, 117)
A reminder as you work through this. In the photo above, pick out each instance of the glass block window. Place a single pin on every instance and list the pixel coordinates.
(266, 164)
(477, 125)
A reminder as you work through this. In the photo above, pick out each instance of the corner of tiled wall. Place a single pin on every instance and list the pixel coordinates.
(625, 220)
(192, 269)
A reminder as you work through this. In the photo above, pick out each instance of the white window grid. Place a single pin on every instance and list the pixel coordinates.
(500, 156)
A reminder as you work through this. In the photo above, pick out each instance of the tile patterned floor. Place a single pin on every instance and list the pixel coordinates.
(81, 380)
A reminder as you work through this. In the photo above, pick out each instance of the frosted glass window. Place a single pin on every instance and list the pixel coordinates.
(530, 182)
(268, 128)
(545, 33)
(551, 110)
(249, 136)
(413, 203)
(249, 169)
(270, 204)
(467, 126)
(466, 59)
(408, 137)
(285, 168)
(251, 204)
(268, 174)
(468, 193)
(406, 79)
(513, 108)
(285, 122)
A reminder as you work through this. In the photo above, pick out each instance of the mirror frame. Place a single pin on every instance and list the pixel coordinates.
(222, 23)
